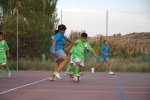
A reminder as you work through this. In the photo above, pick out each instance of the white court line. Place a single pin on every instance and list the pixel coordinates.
(22, 86)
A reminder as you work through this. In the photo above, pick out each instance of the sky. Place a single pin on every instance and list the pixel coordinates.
(124, 16)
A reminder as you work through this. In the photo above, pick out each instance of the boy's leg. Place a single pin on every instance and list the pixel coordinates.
(77, 67)
(7, 70)
(71, 64)
(108, 64)
(81, 68)
(96, 66)
(81, 71)
(99, 64)
(68, 68)
(76, 70)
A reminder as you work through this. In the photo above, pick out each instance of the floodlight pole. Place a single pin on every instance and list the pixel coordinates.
(61, 16)
(17, 39)
(107, 32)
(106, 25)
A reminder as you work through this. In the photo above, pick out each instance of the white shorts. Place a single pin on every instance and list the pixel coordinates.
(76, 60)
(3, 63)
(71, 61)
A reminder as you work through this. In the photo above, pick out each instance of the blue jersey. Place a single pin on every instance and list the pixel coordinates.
(59, 41)
(105, 50)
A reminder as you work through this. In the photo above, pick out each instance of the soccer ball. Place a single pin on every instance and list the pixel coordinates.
(76, 78)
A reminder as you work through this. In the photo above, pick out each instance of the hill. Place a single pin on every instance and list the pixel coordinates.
(139, 42)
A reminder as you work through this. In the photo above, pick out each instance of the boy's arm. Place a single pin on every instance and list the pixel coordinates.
(92, 51)
(68, 47)
(67, 39)
(7, 49)
(8, 53)
(104, 53)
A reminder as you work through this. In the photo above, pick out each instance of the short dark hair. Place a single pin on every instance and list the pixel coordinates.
(84, 35)
(62, 27)
(104, 41)
(1, 33)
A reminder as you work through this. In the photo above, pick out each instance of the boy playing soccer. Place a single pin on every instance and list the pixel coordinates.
(4, 49)
(104, 57)
(77, 52)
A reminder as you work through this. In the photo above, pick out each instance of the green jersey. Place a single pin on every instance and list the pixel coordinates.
(78, 49)
(3, 48)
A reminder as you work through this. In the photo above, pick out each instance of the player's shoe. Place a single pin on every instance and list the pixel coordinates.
(9, 75)
(71, 75)
(92, 69)
(111, 73)
(81, 73)
(57, 75)
(52, 79)
(67, 73)
(0, 77)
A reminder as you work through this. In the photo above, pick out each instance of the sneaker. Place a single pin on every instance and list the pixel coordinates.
(111, 73)
(81, 73)
(52, 79)
(67, 73)
(71, 75)
(57, 75)
(9, 75)
(92, 69)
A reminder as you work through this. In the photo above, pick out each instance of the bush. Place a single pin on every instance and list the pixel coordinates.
(117, 64)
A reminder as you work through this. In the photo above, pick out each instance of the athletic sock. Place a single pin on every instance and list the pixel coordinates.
(68, 68)
(76, 70)
(7, 70)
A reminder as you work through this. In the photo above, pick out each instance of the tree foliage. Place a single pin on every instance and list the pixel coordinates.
(36, 20)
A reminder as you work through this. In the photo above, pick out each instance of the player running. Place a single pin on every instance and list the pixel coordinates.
(103, 57)
(4, 51)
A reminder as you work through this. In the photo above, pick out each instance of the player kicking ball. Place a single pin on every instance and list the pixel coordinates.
(103, 57)
(77, 52)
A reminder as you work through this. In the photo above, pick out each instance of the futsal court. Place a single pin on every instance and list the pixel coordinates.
(35, 85)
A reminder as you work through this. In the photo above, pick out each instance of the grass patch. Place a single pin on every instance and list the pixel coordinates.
(117, 65)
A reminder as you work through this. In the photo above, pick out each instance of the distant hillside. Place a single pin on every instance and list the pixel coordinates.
(135, 41)
(141, 41)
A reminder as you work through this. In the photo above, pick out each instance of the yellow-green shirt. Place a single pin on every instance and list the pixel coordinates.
(3, 48)
(78, 49)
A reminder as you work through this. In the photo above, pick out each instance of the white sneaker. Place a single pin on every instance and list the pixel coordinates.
(81, 73)
(92, 69)
(67, 73)
(111, 73)
(57, 75)
(9, 75)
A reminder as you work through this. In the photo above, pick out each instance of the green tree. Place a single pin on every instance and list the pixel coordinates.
(36, 20)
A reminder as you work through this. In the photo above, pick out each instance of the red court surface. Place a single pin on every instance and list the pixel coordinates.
(35, 85)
